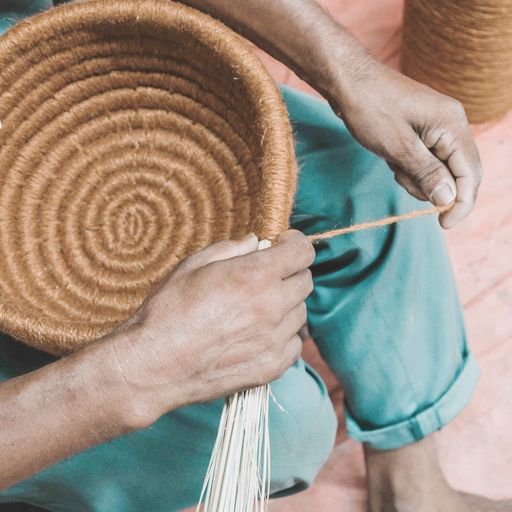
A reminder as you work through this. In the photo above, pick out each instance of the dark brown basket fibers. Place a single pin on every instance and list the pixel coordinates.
(462, 48)
(132, 135)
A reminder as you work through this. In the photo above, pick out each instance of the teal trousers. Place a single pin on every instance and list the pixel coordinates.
(384, 313)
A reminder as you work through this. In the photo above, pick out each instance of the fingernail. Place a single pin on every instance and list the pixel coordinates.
(442, 195)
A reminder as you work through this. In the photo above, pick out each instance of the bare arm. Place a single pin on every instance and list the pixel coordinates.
(227, 299)
(61, 409)
(299, 33)
(422, 134)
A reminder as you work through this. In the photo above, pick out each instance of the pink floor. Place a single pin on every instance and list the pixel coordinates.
(476, 449)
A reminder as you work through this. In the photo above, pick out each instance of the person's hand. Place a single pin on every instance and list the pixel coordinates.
(227, 319)
(422, 134)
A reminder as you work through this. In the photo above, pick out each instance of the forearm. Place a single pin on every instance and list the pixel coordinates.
(58, 410)
(299, 33)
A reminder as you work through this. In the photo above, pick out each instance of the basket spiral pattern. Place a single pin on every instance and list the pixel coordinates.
(132, 135)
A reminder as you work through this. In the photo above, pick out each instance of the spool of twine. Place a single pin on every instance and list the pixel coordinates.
(132, 135)
(462, 48)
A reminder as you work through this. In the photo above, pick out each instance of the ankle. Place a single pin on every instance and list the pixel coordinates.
(407, 480)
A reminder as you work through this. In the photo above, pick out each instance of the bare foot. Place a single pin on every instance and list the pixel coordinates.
(410, 480)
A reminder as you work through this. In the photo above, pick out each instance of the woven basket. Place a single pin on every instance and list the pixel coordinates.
(132, 135)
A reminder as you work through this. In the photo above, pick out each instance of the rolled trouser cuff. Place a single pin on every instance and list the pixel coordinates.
(425, 422)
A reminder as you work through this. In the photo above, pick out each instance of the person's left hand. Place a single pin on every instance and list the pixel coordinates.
(422, 134)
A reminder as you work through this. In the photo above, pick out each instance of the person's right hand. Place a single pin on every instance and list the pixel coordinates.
(227, 319)
(422, 134)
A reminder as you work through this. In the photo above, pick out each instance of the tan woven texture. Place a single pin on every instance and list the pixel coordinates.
(462, 48)
(132, 135)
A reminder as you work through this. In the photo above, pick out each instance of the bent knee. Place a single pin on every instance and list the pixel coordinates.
(302, 429)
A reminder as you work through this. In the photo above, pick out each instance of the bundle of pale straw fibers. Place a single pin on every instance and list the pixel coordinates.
(132, 135)
(462, 48)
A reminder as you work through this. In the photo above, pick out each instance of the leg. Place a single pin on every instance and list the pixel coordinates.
(384, 312)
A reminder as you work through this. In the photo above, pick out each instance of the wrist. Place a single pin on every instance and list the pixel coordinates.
(333, 62)
(137, 381)
(348, 74)
(106, 364)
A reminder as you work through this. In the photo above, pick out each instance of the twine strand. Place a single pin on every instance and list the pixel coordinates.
(377, 223)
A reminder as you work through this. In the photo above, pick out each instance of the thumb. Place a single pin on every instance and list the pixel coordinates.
(430, 175)
(222, 250)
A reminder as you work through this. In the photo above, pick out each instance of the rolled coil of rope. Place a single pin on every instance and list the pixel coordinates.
(464, 49)
(132, 135)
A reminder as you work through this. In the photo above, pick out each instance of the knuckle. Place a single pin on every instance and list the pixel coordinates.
(446, 141)
(304, 247)
(295, 234)
(308, 281)
(299, 244)
(290, 356)
(309, 250)
(301, 240)
(454, 112)
(457, 109)
(296, 353)
(303, 313)
(271, 368)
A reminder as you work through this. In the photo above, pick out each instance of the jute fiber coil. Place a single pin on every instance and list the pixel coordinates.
(462, 48)
(132, 135)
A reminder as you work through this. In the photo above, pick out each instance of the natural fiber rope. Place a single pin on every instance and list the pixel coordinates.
(133, 134)
(378, 223)
(462, 48)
